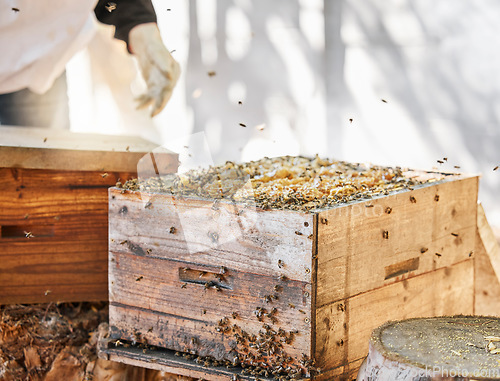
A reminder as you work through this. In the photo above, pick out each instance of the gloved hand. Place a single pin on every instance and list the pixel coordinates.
(158, 67)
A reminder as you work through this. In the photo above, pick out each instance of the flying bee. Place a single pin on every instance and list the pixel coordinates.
(223, 270)
(139, 278)
(29, 235)
(110, 7)
(148, 204)
(202, 273)
(234, 314)
(184, 285)
(281, 264)
(172, 230)
(283, 277)
(413, 200)
(385, 234)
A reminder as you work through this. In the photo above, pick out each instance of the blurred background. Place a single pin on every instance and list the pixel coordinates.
(389, 82)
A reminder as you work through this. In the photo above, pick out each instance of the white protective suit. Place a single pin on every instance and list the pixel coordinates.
(47, 33)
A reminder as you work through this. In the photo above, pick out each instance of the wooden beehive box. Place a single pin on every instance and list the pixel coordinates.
(203, 277)
(54, 211)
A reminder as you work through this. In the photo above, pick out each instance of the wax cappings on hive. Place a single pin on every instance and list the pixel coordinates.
(287, 182)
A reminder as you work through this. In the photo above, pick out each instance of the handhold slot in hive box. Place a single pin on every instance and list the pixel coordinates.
(205, 278)
(401, 268)
(26, 231)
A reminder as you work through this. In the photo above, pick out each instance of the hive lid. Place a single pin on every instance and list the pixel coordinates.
(38, 148)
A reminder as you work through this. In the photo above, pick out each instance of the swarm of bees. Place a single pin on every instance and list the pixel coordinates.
(288, 182)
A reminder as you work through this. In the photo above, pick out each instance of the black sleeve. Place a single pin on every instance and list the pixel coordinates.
(125, 15)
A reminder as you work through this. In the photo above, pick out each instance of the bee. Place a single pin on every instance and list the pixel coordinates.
(184, 285)
(456, 166)
(283, 277)
(369, 205)
(209, 284)
(47, 292)
(104, 175)
(383, 100)
(423, 250)
(222, 270)
(211, 73)
(324, 221)
(234, 314)
(454, 234)
(194, 341)
(110, 7)
(281, 264)
(277, 288)
(139, 278)
(438, 254)
(413, 200)
(148, 204)
(243, 125)
(123, 242)
(496, 167)
(172, 230)
(213, 236)
(17, 10)
(440, 161)
(350, 120)
(150, 329)
(127, 148)
(291, 305)
(204, 312)
(29, 235)
(202, 274)
(436, 198)
(148, 251)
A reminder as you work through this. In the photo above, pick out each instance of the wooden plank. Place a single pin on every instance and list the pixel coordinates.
(245, 239)
(150, 296)
(358, 246)
(445, 291)
(67, 255)
(38, 148)
(489, 241)
(164, 360)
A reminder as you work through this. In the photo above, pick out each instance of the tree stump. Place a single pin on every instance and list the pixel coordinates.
(431, 349)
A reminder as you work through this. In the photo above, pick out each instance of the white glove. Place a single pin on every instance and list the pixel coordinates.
(158, 67)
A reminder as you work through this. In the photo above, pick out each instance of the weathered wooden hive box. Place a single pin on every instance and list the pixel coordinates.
(294, 289)
(54, 211)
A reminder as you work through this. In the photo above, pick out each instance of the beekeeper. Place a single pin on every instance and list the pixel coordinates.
(38, 38)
